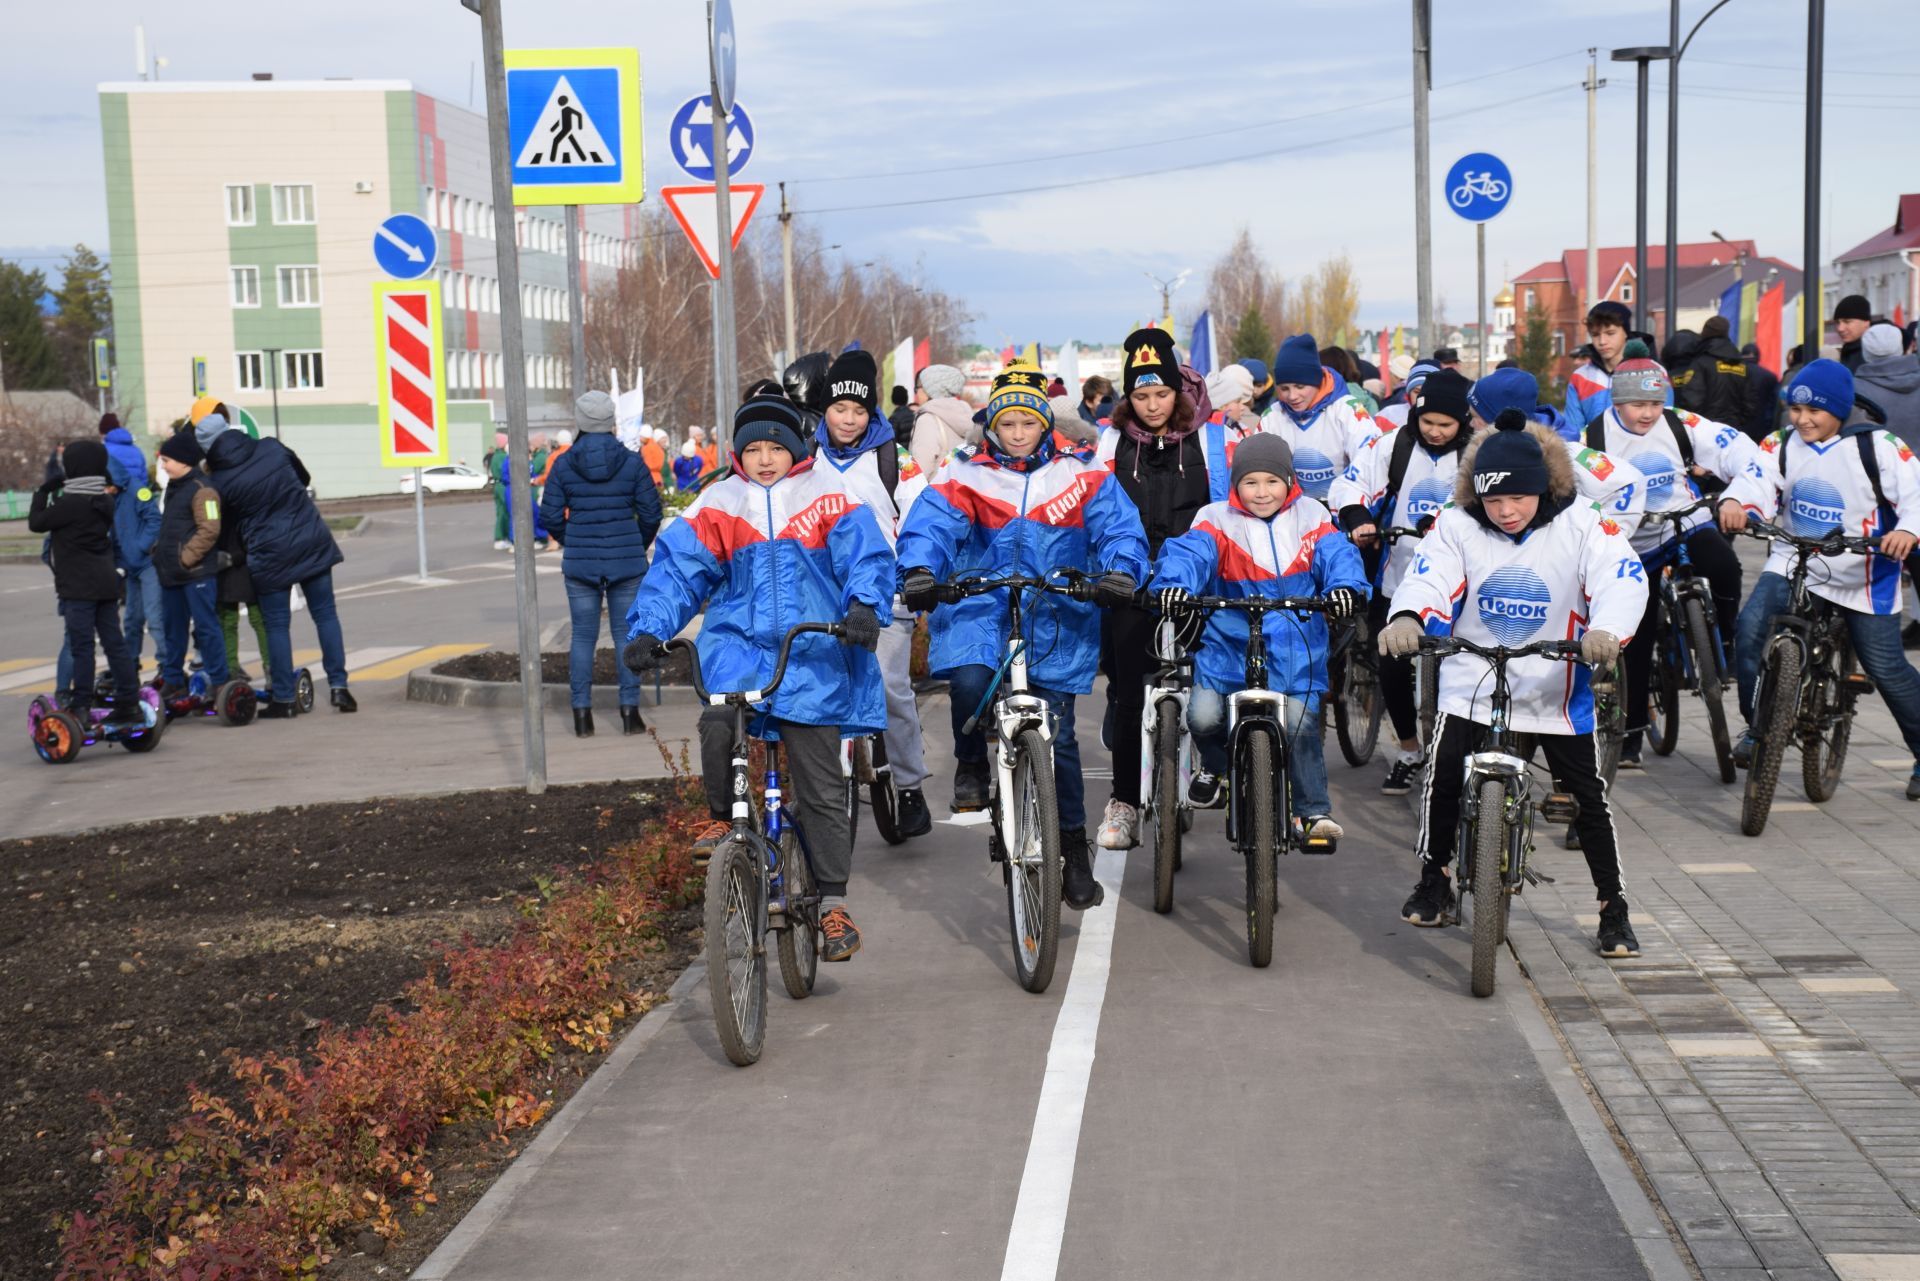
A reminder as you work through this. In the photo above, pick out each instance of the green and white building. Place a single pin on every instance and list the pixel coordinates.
(241, 218)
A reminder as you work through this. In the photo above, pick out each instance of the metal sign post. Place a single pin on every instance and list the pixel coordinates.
(576, 312)
(420, 518)
(726, 373)
(1479, 187)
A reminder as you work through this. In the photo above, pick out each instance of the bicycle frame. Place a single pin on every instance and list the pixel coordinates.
(1809, 620)
(1679, 584)
(1173, 680)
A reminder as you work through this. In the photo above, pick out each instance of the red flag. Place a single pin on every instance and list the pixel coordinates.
(922, 355)
(1386, 366)
(1899, 318)
(1766, 326)
(1009, 355)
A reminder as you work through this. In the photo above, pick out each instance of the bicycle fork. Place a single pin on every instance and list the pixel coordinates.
(1516, 817)
(1013, 715)
(1150, 746)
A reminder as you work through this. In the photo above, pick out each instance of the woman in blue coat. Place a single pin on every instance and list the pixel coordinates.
(601, 506)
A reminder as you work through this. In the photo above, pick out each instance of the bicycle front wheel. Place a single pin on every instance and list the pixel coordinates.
(1776, 709)
(1610, 722)
(1706, 662)
(1261, 833)
(1429, 679)
(1166, 802)
(1358, 704)
(736, 951)
(799, 936)
(1824, 752)
(1489, 888)
(1033, 864)
(1663, 688)
(881, 791)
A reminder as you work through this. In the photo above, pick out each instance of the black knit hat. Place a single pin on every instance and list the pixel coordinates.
(1853, 307)
(1442, 392)
(182, 447)
(84, 457)
(854, 376)
(1149, 361)
(769, 418)
(1510, 460)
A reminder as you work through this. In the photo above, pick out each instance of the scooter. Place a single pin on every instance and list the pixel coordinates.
(59, 733)
(232, 702)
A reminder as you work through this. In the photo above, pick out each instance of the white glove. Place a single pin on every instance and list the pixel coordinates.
(1171, 598)
(1600, 649)
(1400, 638)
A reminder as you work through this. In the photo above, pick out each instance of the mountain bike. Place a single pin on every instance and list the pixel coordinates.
(757, 881)
(1166, 754)
(1687, 655)
(866, 767)
(1025, 833)
(1353, 672)
(1259, 790)
(1495, 835)
(1809, 681)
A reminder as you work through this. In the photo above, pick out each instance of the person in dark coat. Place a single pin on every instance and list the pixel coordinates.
(902, 416)
(187, 558)
(264, 490)
(1851, 317)
(1763, 395)
(601, 506)
(136, 523)
(77, 512)
(1709, 377)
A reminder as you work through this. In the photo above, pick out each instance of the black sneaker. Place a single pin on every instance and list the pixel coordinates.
(1630, 752)
(1207, 791)
(272, 711)
(1431, 902)
(1400, 776)
(127, 715)
(1616, 935)
(343, 701)
(1077, 886)
(912, 815)
(970, 787)
(840, 940)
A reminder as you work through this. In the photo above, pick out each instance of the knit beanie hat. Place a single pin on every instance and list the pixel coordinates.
(1639, 376)
(109, 422)
(1509, 460)
(1149, 361)
(1881, 342)
(769, 418)
(1263, 452)
(1823, 384)
(1444, 391)
(183, 448)
(942, 380)
(593, 412)
(84, 457)
(1298, 361)
(1227, 385)
(854, 376)
(1417, 373)
(208, 429)
(1853, 307)
(1258, 369)
(1504, 389)
(1019, 387)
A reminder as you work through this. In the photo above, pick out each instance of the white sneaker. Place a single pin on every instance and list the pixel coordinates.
(1119, 828)
(1322, 826)
(502, 545)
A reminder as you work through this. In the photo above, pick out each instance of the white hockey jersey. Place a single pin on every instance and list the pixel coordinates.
(1335, 432)
(1578, 572)
(1655, 454)
(1810, 489)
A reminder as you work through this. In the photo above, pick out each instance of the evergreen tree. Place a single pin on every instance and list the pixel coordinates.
(1251, 339)
(85, 312)
(1534, 352)
(26, 354)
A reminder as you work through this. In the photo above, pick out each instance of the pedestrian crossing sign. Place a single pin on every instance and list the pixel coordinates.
(573, 126)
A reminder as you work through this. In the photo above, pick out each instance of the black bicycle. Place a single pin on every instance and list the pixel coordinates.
(1166, 753)
(758, 880)
(1353, 671)
(1688, 655)
(1809, 681)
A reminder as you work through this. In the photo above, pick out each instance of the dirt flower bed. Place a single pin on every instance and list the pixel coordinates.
(504, 665)
(354, 1010)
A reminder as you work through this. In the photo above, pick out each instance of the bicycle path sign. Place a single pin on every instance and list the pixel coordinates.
(573, 126)
(1479, 186)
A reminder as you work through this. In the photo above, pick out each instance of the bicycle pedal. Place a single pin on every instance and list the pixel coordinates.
(1559, 807)
(1321, 845)
(1858, 683)
(1532, 877)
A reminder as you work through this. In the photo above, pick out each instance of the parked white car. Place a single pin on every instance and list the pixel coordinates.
(452, 478)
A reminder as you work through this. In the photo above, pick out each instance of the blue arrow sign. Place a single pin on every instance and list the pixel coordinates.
(691, 138)
(405, 247)
(1478, 186)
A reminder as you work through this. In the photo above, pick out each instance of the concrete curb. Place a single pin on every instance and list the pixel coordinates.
(467, 1233)
(425, 686)
(355, 530)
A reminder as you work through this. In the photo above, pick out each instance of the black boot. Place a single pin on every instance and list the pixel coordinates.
(1077, 885)
(913, 817)
(343, 701)
(583, 722)
(272, 711)
(630, 722)
(970, 786)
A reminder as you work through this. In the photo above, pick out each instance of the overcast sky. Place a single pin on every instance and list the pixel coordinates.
(1291, 119)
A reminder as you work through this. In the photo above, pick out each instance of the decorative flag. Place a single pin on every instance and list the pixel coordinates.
(922, 357)
(852, 346)
(1031, 355)
(1069, 362)
(1009, 355)
(1899, 317)
(1386, 369)
(629, 407)
(1399, 340)
(1200, 349)
(1766, 325)
(1729, 307)
(1749, 312)
(896, 371)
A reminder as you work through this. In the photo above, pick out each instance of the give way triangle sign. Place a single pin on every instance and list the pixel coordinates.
(696, 210)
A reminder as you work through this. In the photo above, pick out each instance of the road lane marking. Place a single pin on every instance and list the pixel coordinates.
(15, 664)
(410, 659)
(22, 676)
(1046, 1184)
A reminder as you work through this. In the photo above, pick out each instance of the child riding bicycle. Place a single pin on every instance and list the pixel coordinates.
(1518, 558)
(1266, 539)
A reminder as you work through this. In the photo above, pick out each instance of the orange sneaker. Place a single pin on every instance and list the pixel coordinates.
(842, 940)
(709, 837)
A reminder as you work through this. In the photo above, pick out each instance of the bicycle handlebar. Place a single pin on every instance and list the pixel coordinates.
(1394, 533)
(1073, 583)
(1565, 650)
(1242, 604)
(1831, 543)
(747, 697)
(1710, 502)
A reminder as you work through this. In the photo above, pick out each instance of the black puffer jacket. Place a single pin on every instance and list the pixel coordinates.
(1709, 377)
(286, 539)
(81, 529)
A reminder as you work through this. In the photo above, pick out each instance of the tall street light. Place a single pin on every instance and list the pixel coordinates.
(1640, 55)
(1679, 46)
(1812, 298)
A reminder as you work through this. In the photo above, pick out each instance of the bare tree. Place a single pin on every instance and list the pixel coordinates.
(1330, 299)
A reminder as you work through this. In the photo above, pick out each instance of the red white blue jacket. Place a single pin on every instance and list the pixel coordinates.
(763, 558)
(1231, 552)
(1325, 436)
(986, 513)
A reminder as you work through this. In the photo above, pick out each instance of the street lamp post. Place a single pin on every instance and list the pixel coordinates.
(1813, 321)
(1640, 55)
(1679, 47)
(273, 373)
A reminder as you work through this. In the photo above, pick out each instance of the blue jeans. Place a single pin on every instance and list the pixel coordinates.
(1207, 718)
(197, 602)
(144, 610)
(584, 596)
(1876, 642)
(966, 686)
(277, 609)
(86, 619)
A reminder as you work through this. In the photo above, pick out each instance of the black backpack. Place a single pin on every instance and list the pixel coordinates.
(1869, 463)
(1596, 436)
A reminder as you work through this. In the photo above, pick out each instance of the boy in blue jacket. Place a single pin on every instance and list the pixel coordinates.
(1266, 539)
(775, 544)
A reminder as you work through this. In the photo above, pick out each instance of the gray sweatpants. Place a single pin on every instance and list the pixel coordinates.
(812, 788)
(905, 752)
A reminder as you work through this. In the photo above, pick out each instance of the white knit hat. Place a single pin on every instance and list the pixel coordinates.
(1225, 386)
(942, 380)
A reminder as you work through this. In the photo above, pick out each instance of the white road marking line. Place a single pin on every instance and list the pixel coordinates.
(29, 676)
(970, 818)
(1046, 1185)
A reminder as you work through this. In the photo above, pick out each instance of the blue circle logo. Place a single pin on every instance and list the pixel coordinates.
(1314, 470)
(1513, 604)
(1814, 507)
(1426, 498)
(1659, 471)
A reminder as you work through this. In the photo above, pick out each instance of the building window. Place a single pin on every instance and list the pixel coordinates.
(293, 203)
(249, 371)
(246, 286)
(1626, 293)
(302, 371)
(239, 205)
(299, 286)
(1559, 343)
(1529, 300)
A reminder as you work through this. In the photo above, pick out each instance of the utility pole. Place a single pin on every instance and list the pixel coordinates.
(273, 374)
(1422, 173)
(786, 261)
(576, 313)
(726, 352)
(1593, 186)
(533, 728)
(1640, 56)
(1670, 287)
(1813, 321)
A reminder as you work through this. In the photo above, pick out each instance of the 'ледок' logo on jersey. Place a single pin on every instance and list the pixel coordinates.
(1814, 507)
(1658, 469)
(1513, 603)
(1314, 470)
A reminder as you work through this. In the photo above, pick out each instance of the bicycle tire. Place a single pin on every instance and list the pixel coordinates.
(1166, 802)
(1706, 664)
(1822, 757)
(1777, 703)
(882, 795)
(1358, 705)
(735, 951)
(1429, 681)
(1610, 724)
(1033, 866)
(1489, 892)
(1663, 690)
(799, 938)
(1261, 847)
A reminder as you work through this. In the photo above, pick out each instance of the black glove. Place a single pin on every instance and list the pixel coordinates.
(916, 590)
(642, 653)
(861, 627)
(1113, 589)
(1172, 597)
(1342, 603)
(1425, 523)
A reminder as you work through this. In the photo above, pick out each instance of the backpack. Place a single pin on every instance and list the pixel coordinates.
(1869, 463)
(1596, 436)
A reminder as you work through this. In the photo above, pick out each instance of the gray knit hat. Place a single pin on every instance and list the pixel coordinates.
(208, 429)
(593, 412)
(1263, 452)
(942, 380)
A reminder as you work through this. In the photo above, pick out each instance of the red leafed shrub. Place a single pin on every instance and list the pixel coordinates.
(313, 1148)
